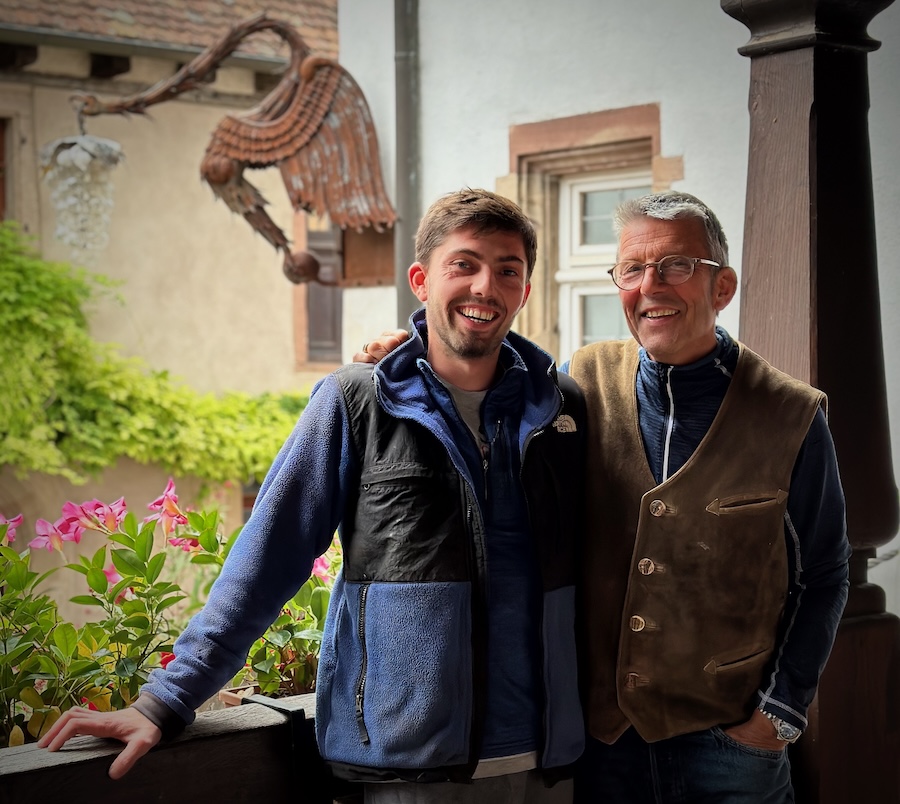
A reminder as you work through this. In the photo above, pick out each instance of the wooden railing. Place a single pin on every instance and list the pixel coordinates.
(249, 753)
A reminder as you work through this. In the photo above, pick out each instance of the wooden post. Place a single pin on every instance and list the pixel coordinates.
(810, 305)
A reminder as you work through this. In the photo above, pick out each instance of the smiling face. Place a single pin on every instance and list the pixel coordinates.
(473, 286)
(674, 323)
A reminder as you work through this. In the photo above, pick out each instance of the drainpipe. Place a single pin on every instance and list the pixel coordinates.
(408, 190)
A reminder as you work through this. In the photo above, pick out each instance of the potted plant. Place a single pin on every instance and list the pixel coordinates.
(47, 665)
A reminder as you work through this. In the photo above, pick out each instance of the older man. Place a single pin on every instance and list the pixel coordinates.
(715, 570)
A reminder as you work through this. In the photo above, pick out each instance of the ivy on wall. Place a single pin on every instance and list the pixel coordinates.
(72, 406)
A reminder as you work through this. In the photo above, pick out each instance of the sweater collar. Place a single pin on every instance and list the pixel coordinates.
(699, 376)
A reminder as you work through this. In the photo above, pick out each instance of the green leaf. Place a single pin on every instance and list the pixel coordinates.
(31, 697)
(82, 667)
(318, 603)
(125, 667)
(121, 538)
(86, 600)
(278, 638)
(265, 666)
(140, 641)
(133, 606)
(170, 601)
(205, 558)
(154, 567)
(208, 540)
(304, 593)
(66, 639)
(129, 525)
(120, 585)
(99, 558)
(97, 580)
(18, 576)
(143, 545)
(136, 621)
(128, 563)
(12, 655)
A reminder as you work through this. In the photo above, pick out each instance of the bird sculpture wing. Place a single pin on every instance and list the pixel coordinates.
(320, 134)
(315, 126)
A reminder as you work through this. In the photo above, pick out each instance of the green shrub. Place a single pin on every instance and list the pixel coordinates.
(73, 406)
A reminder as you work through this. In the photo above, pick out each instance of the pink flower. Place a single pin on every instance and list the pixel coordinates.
(11, 525)
(89, 704)
(111, 575)
(188, 545)
(168, 511)
(96, 515)
(52, 536)
(320, 567)
(165, 658)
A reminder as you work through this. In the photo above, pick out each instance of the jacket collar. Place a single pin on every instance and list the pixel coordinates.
(400, 382)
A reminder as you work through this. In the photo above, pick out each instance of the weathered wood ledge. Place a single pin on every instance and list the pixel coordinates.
(243, 753)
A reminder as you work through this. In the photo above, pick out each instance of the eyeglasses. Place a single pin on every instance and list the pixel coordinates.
(673, 270)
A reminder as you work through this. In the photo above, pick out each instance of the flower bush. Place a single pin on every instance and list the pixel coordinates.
(47, 665)
(285, 659)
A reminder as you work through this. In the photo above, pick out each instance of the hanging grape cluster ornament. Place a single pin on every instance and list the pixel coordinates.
(79, 172)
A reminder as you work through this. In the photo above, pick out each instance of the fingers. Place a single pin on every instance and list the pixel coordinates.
(363, 356)
(375, 350)
(127, 725)
(64, 729)
(125, 761)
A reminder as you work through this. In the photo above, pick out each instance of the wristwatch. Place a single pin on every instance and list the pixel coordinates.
(786, 732)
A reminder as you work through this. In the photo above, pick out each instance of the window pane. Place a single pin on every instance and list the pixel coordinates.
(597, 207)
(602, 318)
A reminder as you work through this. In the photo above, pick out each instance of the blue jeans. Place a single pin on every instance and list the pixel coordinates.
(705, 767)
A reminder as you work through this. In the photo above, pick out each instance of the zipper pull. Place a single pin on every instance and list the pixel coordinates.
(363, 731)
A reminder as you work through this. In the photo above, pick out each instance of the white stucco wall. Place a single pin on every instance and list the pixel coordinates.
(487, 66)
(366, 39)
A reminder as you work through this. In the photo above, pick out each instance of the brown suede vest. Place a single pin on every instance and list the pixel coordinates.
(684, 583)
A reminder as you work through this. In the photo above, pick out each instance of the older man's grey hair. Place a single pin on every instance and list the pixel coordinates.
(671, 205)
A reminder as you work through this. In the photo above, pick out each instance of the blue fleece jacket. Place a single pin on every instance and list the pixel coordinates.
(422, 643)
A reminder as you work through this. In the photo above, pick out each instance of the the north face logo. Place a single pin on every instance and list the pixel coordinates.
(564, 424)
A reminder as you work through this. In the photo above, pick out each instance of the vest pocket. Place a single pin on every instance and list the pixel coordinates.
(716, 666)
(747, 503)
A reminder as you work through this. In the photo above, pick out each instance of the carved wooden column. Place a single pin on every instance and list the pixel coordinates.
(809, 304)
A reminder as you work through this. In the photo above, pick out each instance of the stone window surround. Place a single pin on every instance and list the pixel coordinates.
(543, 153)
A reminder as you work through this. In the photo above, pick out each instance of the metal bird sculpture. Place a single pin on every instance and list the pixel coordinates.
(315, 125)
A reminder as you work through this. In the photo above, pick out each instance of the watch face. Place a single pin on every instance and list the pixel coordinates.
(787, 732)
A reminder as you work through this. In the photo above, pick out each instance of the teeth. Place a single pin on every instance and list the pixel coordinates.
(659, 313)
(478, 315)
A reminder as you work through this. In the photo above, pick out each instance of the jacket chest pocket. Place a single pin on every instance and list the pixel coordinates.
(409, 525)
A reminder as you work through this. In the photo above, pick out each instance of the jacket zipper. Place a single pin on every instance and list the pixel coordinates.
(485, 458)
(364, 664)
(670, 424)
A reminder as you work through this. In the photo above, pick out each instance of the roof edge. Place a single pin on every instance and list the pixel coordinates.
(121, 46)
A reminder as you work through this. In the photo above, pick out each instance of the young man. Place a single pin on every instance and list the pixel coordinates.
(453, 471)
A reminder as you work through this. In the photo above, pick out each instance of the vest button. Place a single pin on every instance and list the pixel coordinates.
(646, 566)
(657, 508)
(637, 622)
